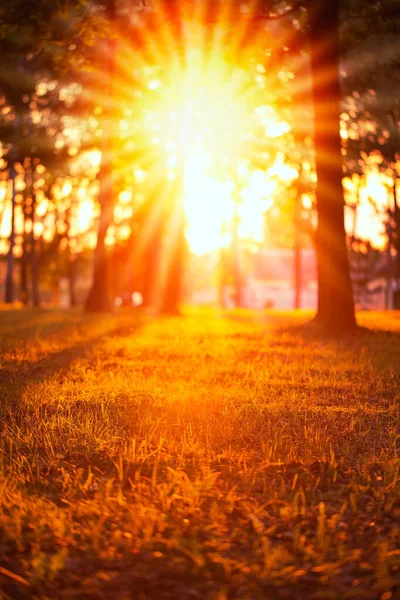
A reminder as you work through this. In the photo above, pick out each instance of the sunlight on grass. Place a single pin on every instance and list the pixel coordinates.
(213, 450)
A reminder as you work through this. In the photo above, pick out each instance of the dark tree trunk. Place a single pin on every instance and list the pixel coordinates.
(173, 245)
(9, 287)
(389, 272)
(297, 253)
(71, 258)
(336, 310)
(396, 215)
(23, 288)
(175, 266)
(71, 280)
(151, 279)
(99, 299)
(23, 276)
(34, 257)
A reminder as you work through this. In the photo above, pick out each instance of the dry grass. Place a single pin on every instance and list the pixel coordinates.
(214, 456)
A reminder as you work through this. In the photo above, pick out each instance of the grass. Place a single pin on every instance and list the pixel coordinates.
(214, 456)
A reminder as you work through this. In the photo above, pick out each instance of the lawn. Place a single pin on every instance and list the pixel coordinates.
(212, 456)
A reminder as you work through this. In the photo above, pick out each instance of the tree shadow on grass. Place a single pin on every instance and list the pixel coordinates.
(17, 373)
(28, 323)
(381, 347)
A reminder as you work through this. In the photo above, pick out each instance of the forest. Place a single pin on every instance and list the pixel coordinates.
(200, 299)
(121, 156)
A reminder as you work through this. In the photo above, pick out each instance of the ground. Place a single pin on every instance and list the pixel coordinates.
(213, 456)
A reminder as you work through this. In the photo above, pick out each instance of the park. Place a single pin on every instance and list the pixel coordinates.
(200, 300)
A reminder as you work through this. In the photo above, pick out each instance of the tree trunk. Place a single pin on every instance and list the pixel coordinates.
(23, 288)
(173, 244)
(71, 257)
(151, 280)
(23, 276)
(99, 299)
(396, 214)
(336, 310)
(34, 256)
(297, 252)
(71, 280)
(176, 259)
(9, 287)
(389, 272)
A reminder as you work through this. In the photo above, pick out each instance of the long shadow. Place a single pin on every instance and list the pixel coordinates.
(27, 323)
(374, 344)
(15, 378)
(16, 374)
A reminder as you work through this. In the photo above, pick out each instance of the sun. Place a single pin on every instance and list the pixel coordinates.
(204, 117)
(205, 124)
(196, 119)
(208, 202)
